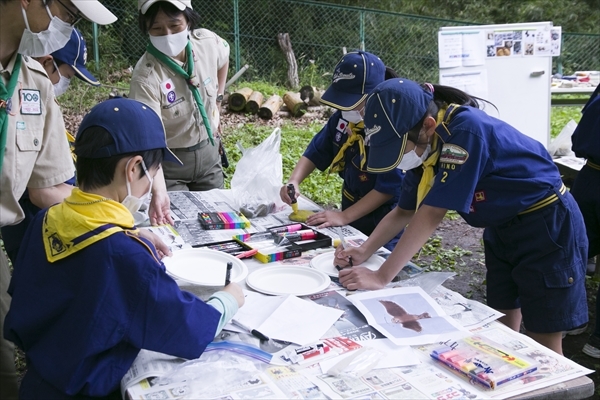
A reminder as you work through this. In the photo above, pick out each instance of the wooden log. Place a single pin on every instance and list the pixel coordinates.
(238, 99)
(286, 46)
(270, 107)
(294, 103)
(254, 102)
(311, 95)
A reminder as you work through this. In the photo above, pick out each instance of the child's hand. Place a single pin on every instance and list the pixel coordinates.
(236, 291)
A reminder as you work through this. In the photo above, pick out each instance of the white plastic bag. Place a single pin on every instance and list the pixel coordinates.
(561, 145)
(257, 178)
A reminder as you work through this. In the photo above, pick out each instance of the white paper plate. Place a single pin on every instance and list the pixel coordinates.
(204, 267)
(283, 280)
(324, 263)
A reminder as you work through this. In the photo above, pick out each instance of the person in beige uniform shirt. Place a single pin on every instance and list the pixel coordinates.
(169, 24)
(35, 153)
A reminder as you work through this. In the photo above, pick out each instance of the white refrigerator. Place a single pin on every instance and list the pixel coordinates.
(509, 65)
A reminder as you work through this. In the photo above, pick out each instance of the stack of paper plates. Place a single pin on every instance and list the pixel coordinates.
(284, 280)
(204, 267)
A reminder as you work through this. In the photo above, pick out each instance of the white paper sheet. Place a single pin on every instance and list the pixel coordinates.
(395, 356)
(299, 321)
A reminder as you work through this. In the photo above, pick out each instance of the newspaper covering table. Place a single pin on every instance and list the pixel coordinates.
(423, 379)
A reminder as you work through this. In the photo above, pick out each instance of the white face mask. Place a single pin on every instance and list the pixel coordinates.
(170, 45)
(132, 203)
(352, 116)
(62, 85)
(411, 160)
(45, 42)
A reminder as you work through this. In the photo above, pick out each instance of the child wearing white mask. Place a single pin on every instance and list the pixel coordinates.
(115, 295)
(342, 147)
(182, 77)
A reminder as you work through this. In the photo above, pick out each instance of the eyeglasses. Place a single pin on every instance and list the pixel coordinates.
(73, 17)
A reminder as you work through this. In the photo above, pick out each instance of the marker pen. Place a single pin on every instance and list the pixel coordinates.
(306, 234)
(287, 228)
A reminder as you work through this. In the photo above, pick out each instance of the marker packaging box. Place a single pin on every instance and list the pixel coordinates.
(484, 361)
(223, 220)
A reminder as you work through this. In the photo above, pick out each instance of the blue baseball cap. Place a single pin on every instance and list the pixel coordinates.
(354, 77)
(133, 126)
(394, 107)
(74, 54)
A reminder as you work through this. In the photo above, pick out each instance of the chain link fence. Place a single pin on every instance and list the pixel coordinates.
(318, 32)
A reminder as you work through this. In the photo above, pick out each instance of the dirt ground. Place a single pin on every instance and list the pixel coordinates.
(470, 282)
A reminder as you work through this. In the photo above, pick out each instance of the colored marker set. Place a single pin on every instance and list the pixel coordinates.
(223, 220)
(484, 362)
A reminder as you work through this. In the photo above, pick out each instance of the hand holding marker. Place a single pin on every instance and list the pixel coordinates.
(344, 245)
(291, 190)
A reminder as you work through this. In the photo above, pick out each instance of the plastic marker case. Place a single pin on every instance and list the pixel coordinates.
(484, 361)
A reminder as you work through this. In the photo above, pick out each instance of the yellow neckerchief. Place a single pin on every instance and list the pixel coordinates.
(80, 220)
(71, 140)
(428, 174)
(338, 164)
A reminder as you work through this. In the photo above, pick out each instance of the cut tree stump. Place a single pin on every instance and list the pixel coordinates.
(238, 99)
(294, 103)
(254, 102)
(270, 107)
(286, 47)
(311, 95)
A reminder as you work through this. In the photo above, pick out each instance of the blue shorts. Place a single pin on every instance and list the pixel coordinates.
(537, 262)
(589, 204)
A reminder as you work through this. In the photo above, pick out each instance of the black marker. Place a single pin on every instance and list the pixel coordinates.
(228, 273)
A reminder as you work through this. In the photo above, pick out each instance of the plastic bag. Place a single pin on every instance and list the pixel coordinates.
(561, 145)
(257, 178)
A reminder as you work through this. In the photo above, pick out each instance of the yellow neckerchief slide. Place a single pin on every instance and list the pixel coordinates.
(338, 164)
(428, 173)
(81, 220)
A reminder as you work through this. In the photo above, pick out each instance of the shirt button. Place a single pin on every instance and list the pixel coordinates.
(148, 65)
(36, 142)
(570, 280)
(176, 113)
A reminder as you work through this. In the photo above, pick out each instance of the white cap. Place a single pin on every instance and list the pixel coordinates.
(144, 5)
(95, 11)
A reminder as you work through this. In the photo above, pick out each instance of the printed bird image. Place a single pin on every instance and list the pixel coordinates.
(400, 316)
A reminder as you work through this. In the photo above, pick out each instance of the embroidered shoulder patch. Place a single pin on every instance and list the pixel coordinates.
(453, 154)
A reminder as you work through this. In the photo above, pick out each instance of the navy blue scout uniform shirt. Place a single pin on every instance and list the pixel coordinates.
(357, 182)
(487, 170)
(91, 320)
(586, 138)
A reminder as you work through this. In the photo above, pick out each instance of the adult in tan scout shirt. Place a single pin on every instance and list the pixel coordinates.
(33, 151)
(160, 79)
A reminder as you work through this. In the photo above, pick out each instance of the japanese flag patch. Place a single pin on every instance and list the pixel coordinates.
(342, 125)
(167, 86)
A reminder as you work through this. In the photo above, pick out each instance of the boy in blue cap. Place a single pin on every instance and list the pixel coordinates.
(90, 290)
(341, 146)
(459, 158)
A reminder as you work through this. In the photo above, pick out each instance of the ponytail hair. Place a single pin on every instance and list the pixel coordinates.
(443, 96)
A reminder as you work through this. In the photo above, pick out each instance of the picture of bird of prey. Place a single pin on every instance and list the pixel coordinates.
(400, 316)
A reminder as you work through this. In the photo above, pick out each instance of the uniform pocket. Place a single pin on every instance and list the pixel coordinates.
(563, 278)
(29, 140)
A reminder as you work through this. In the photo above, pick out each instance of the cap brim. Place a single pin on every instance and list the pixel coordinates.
(83, 74)
(94, 11)
(180, 6)
(386, 156)
(168, 155)
(340, 100)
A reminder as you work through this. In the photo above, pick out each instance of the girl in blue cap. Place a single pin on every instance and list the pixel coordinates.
(457, 157)
(340, 146)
